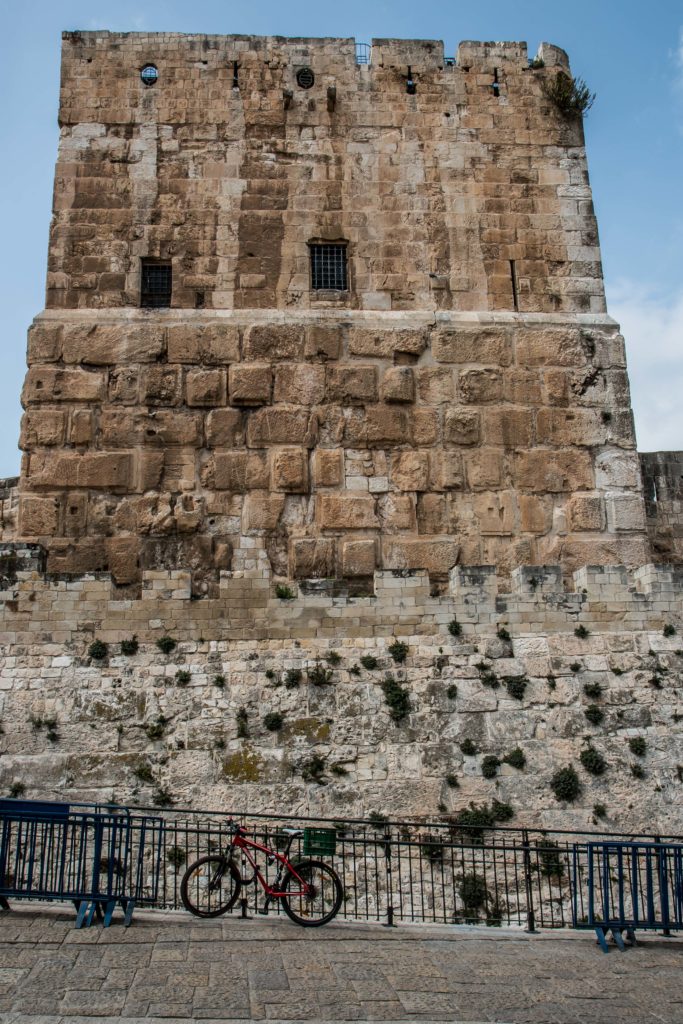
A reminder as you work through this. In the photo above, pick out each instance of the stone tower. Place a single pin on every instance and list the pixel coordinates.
(351, 314)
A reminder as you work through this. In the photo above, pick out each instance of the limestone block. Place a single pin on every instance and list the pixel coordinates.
(535, 514)
(410, 470)
(205, 387)
(328, 467)
(445, 470)
(522, 386)
(38, 516)
(425, 426)
(345, 511)
(433, 514)
(397, 513)
(480, 386)
(586, 512)
(569, 427)
(512, 428)
(311, 558)
(274, 342)
(75, 514)
(322, 342)
(556, 385)
(123, 558)
(224, 428)
(262, 510)
(111, 345)
(280, 425)
(125, 427)
(105, 469)
(161, 385)
(51, 384)
(77, 556)
(149, 467)
(80, 428)
(44, 343)
(484, 469)
(351, 385)
(435, 554)
(213, 344)
(250, 385)
(240, 471)
(554, 471)
(289, 470)
(625, 512)
(434, 384)
(377, 425)
(461, 426)
(299, 383)
(495, 513)
(124, 385)
(617, 469)
(551, 347)
(490, 346)
(382, 344)
(42, 427)
(398, 385)
(359, 557)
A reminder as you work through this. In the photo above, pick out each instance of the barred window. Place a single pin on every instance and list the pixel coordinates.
(156, 285)
(328, 267)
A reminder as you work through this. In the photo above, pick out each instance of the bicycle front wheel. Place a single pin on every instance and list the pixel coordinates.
(210, 886)
(323, 899)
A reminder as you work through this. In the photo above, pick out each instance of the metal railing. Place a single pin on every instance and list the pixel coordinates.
(411, 871)
(363, 52)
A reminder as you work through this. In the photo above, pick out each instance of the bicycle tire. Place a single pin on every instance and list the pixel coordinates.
(204, 888)
(324, 902)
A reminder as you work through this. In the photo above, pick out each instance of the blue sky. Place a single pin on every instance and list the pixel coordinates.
(630, 53)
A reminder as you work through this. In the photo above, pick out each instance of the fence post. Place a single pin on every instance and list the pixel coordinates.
(390, 888)
(663, 890)
(528, 887)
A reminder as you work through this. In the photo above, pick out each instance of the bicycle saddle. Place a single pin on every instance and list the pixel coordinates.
(293, 831)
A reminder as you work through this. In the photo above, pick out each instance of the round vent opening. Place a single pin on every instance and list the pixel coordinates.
(149, 74)
(305, 78)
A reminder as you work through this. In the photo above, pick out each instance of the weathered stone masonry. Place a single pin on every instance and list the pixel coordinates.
(430, 415)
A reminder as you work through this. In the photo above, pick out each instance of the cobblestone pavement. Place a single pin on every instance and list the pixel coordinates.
(175, 969)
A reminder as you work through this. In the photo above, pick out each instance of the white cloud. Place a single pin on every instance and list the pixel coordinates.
(653, 327)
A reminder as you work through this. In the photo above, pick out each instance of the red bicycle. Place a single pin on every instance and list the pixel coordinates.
(310, 891)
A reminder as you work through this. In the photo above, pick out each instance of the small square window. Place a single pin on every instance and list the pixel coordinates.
(328, 267)
(156, 285)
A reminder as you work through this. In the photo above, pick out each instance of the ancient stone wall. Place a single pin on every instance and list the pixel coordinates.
(303, 704)
(464, 401)
(663, 486)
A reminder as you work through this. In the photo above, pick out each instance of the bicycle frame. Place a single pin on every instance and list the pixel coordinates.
(240, 842)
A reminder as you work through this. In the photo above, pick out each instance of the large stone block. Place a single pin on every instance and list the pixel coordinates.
(397, 513)
(437, 555)
(274, 342)
(382, 344)
(42, 428)
(461, 426)
(410, 470)
(359, 557)
(161, 385)
(299, 383)
(123, 559)
(446, 470)
(44, 343)
(38, 517)
(250, 385)
(240, 471)
(490, 346)
(511, 428)
(553, 471)
(434, 384)
(398, 385)
(312, 558)
(262, 510)
(378, 425)
(51, 384)
(328, 467)
(625, 512)
(570, 427)
(345, 512)
(586, 512)
(323, 342)
(214, 344)
(484, 469)
(495, 513)
(551, 347)
(480, 386)
(351, 385)
(205, 387)
(224, 428)
(113, 344)
(280, 425)
(289, 470)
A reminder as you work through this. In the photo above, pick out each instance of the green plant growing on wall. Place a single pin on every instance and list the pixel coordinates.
(155, 730)
(581, 632)
(452, 781)
(637, 770)
(51, 730)
(284, 593)
(431, 848)
(333, 658)
(273, 721)
(176, 857)
(599, 811)
(552, 682)
(163, 797)
(242, 720)
(474, 895)
(398, 651)
(575, 666)
(130, 647)
(293, 677)
(369, 662)
(397, 698)
(516, 686)
(143, 772)
(98, 650)
(516, 758)
(377, 820)
(565, 784)
(455, 628)
(219, 682)
(638, 745)
(338, 769)
(313, 770)
(182, 677)
(550, 857)
(16, 790)
(354, 670)
(669, 630)
(594, 714)
(503, 633)
(593, 761)
(593, 690)
(318, 675)
(571, 96)
(468, 747)
(166, 644)
(452, 691)
(489, 766)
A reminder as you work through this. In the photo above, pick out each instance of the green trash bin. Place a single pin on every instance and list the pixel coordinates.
(321, 842)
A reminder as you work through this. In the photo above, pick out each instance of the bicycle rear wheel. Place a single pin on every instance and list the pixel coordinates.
(210, 886)
(322, 902)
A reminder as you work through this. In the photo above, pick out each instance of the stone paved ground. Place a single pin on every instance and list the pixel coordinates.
(175, 969)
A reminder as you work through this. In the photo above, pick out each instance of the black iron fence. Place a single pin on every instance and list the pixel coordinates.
(397, 872)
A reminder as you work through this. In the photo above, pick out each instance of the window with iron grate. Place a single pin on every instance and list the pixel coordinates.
(328, 267)
(156, 284)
